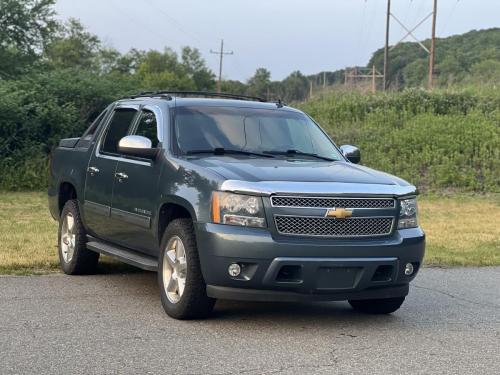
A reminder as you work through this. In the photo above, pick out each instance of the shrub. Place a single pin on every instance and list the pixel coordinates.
(436, 140)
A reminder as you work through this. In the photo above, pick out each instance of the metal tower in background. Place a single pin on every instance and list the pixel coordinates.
(409, 32)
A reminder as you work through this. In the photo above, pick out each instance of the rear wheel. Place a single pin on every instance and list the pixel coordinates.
(182, 287)
(377, 306)
(74, 257)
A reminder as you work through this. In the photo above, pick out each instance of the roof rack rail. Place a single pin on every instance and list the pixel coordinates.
(168, 95)
(150, 94)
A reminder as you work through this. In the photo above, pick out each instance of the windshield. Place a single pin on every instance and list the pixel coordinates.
(256, 131)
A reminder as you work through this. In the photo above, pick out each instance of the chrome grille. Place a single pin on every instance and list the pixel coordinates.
(330, 227)
(318, 202)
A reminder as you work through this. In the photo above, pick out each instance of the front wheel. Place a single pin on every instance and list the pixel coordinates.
(377, 306)
(182, 287)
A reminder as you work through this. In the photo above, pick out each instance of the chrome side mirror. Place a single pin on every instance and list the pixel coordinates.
(137, 145)
(351, 153)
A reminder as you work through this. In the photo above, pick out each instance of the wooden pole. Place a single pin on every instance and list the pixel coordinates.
(221, 54)
(433, 46)
(374, 84)
(386, 48)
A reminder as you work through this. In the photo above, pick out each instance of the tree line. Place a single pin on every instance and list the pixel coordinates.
(56, 77)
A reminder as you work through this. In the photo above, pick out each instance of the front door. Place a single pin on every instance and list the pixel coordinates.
(101, 173)
(136, 191)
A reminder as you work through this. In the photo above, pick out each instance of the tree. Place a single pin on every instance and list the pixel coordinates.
(487, 71)
(73, 47)
(258, 85)
(233, 87)
(162, 71)
(128, 63)
(195, 67)
(295, 87)
(26, 26)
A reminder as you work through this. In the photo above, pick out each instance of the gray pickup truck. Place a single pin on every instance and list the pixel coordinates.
(231, 197)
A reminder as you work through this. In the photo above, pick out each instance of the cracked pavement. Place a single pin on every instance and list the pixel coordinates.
(114, 324)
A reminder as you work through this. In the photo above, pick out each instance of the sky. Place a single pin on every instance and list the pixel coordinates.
(280, 35)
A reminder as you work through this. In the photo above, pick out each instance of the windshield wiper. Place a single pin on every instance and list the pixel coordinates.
(300, 153)
(224, 151)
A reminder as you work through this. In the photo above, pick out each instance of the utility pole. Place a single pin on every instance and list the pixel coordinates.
(324, 80)
(386, 48)
(310, 89)
(374, 76)
(433, 45)
(221, 54)
(409, 33)
(355, 75)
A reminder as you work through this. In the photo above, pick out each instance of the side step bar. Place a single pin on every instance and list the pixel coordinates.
(131, 257)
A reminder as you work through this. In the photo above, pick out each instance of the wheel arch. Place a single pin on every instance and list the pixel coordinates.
(66, 192)
(171, 209)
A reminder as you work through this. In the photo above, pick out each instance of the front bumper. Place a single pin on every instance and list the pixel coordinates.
(306, 269)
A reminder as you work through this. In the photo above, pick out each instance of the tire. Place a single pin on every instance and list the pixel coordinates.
(182, 287)
(377, 306)
(74, 257)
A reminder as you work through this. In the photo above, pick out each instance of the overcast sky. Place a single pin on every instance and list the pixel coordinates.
(280, 35)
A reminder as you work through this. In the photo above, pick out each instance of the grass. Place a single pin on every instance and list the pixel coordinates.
(28, 237)
(462, 230)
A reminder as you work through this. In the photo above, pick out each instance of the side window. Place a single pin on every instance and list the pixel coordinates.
(89, 133)
(117, 129)
(86, 139)
(147, 127)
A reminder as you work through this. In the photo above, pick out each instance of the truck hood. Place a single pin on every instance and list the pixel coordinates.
(256, 170)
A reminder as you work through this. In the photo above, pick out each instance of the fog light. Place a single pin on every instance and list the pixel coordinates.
(408, 269)
(234, 269)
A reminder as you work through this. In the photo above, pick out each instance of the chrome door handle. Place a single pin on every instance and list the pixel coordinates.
(93, 170)
(121, 176)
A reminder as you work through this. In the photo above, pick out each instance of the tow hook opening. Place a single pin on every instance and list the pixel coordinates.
(383, 273)
(289, 274)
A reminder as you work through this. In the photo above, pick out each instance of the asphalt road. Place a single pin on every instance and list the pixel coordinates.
(114, 324)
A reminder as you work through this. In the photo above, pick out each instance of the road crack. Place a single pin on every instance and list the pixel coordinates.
(457, 297)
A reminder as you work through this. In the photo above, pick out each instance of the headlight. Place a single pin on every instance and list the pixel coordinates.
(408, 213)
(237, 209)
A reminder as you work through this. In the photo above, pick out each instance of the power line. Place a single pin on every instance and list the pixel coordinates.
(134, 20)
(176, 23)
(221, 54)
(446, 24)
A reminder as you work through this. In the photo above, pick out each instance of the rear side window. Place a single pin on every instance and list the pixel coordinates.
(89, 133)
(87, 137)
(147, 127)
(117, 129)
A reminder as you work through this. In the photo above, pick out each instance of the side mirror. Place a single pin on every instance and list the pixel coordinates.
(137, 145)
(352, 153)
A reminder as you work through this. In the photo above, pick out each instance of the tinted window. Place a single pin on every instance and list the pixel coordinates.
(258, 130)
(117, 129)
(147, 127)
(89, 133)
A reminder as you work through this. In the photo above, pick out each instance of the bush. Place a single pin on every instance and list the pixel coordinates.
(38, 110)
(436, 140)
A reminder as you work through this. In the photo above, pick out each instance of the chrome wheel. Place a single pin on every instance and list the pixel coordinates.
(174, 269)
(68, 237)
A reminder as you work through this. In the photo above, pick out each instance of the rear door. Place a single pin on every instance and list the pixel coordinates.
(136, 190)
(101, 172)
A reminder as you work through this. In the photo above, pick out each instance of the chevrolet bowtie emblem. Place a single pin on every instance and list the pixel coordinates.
(338, 213)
